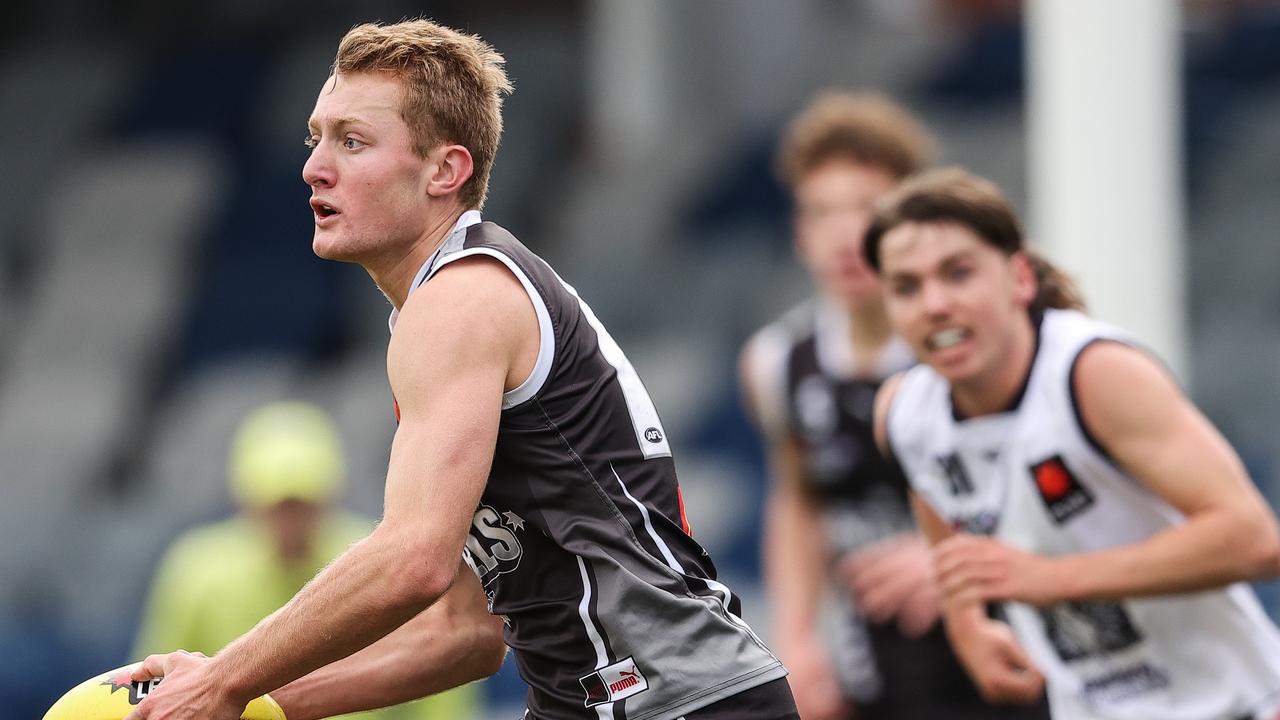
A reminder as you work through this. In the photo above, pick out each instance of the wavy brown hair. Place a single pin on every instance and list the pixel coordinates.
(954, 195)
(867, 128)
(453, 87)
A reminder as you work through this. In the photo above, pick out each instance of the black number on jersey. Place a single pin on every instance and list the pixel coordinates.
(957, 476)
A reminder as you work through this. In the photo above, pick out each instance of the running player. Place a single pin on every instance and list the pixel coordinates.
(1060, 472)
(526, 445)
(835, 503)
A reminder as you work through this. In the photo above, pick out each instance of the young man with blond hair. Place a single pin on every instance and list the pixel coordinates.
(527, 450)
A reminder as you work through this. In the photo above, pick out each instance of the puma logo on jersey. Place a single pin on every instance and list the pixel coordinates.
(1063, 494)
(616, 682)
(492, 546)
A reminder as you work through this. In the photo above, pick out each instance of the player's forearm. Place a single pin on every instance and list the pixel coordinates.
(795, 564)
(1212, 549)
(365, 594)
(408, 664)
(960, 620)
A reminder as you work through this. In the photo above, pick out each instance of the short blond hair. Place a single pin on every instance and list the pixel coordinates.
(453, 87)
(866, 128)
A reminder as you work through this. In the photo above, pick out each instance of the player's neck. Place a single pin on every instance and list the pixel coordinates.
(868, 333)
(995, 391)
(394, 274)
(868, 325)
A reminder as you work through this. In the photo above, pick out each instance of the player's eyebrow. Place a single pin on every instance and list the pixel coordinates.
(336, 123)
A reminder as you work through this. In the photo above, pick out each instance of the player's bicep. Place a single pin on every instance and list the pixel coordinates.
(1135, 411)
(786, 462)
(880, 415)
(448, 363)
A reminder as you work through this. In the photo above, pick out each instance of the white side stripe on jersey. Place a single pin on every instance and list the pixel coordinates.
(604, 710)
(644, 416)
(670, 557)
(725, 599)
(723, 594)
(546, 336)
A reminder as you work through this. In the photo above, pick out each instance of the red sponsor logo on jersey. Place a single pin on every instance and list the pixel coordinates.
(1053, 480)
(618, 681)
(629, 679)
(1063, 494)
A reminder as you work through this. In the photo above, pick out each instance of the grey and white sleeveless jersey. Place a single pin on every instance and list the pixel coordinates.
(1033, 477)
(580, 540)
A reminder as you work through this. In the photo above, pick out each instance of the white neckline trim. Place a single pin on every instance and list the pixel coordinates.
(468, 218)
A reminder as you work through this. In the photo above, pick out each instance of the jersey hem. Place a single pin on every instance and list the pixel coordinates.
(727, 689)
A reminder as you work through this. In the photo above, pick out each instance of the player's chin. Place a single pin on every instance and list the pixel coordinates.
(330, 246)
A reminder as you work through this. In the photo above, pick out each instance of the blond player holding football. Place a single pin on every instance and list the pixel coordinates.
(531, 495)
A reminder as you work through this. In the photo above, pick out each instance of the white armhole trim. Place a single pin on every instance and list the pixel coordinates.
(546, 336)
(767, 351)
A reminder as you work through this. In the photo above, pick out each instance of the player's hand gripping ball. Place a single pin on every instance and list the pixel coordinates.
(113, 695)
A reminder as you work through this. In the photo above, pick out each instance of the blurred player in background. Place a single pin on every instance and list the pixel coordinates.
(836, 508)
(1056, 465)
(216, 582)
(527, 446)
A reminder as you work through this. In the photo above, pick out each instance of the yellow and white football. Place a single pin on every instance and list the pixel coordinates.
(113, 695)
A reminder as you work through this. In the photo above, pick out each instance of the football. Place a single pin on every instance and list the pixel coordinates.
(113, 695)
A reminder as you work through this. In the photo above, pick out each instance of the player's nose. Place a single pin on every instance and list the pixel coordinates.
(318, 171)
(934, 298)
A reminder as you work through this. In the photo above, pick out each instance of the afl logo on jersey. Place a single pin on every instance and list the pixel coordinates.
(653, 435)
(492, 546)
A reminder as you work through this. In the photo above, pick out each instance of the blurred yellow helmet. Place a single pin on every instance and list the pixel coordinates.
(113, 695)
(286, 451)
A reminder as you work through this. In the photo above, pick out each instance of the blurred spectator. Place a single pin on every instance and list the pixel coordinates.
(217, 581)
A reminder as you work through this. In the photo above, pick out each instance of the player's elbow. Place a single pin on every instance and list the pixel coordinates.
(1258, 542)
(427, 580)
(477, 648)
(1262, 560)
(489, 651)
(423, 577)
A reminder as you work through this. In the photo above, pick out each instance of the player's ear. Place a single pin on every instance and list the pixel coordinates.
(1024, 278)
(451, 166)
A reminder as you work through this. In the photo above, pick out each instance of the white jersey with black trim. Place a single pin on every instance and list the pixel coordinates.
(580, 540)
(1034, 478)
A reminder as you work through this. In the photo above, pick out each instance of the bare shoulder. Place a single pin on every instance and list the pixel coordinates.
(884, 400)
(749, 364)
(473, 313)
(472, 287)
(1120, 388)
(762, 377)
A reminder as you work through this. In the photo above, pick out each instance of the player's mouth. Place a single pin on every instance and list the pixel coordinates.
(324, 212)
(946, 338)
